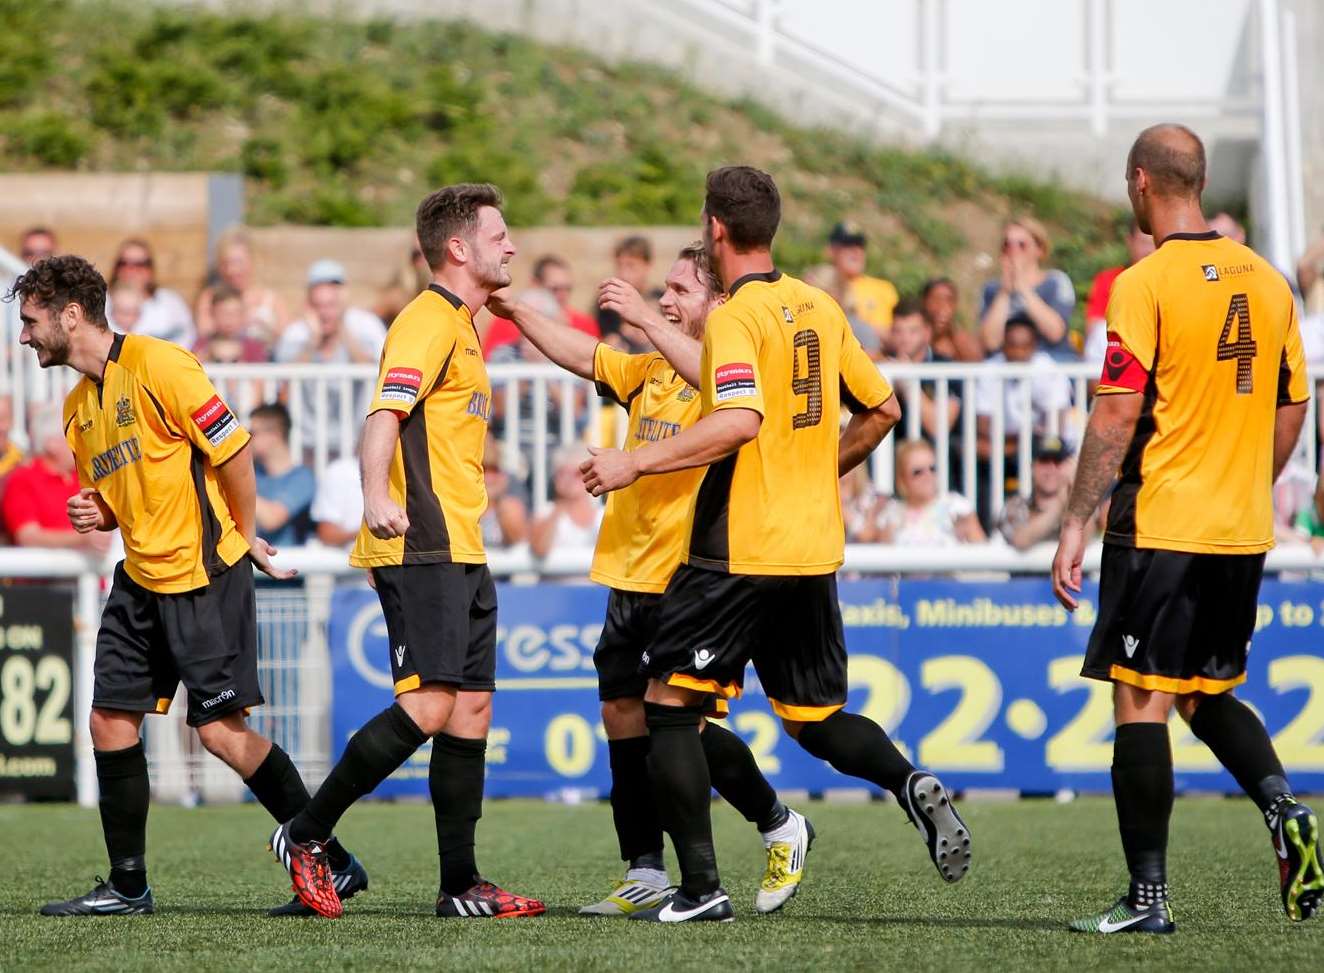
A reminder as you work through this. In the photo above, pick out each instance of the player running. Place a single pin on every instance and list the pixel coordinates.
(639, 546)
(160, 456)
(423, 493)
(1201, 401)
(765, 535)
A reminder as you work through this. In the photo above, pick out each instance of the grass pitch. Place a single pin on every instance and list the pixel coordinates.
(871, 898)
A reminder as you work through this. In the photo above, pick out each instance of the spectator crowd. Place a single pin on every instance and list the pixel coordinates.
(1025, 313)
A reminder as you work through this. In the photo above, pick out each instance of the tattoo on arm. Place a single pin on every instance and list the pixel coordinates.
(1100, 455)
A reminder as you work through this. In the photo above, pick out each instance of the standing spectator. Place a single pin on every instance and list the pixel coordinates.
(337, 510)
(571, 523)
(265, 315)
(824, 277)
(1027, 291)
(1138, 246)
(228, 343)
(1025, 523)
(920, 516)
(163, 313)
(34, 508)
(939, 301)
(505, 522)
(285, 489)
(871, 299)
(634, 265)
(332, 331)
(912, 341)
(36, 244)
(1310, 277)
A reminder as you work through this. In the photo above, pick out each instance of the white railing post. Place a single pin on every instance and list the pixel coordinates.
(1279, 249)
(1296, 206)
(1096, 44)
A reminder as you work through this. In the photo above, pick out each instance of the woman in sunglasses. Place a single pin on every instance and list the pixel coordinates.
(919, 516)
(163, 313)
(1027, 290)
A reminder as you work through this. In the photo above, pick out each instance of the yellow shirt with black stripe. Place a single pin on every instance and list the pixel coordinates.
(1206, 330)
(785, 350)
(148, 437)
(433, 375)
(643, 532)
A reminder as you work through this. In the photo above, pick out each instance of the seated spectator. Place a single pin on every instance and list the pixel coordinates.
(124, 307)
(34, 507)
(331, 331)
(285, 489)
(1023, 522)
(506, 520)
(870, 299)
(228, 344)
(337, 510)
(1027, 291)
(1138, 246)
(36, 244)
(265, 315)
(858, 503)
(162, 313)
(920, 516)
(1050, 392)
(571, 523)
(1309, 522)
(911, 338)
(939, 300)
(550, 274)
(634, 265)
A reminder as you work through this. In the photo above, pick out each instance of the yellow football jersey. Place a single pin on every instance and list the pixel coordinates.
(785, 350)
(643, 533)
(10, 459)
(872, 300)
(432, 373)
(149, 437)
(1206, 330)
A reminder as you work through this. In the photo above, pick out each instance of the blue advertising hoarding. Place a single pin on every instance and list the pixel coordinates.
(978, 681)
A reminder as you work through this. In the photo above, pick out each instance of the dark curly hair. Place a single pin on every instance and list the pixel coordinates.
(452, 211)
(56, 282)
(746, 200)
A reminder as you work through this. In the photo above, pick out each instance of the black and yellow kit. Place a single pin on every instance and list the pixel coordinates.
(433, 583)
(148, 437)
(772, 509)
(1206, 331)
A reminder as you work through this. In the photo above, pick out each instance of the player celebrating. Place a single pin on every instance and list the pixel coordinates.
(639, 547)
(1200, 404)
(423, 493)
(765, 539)
(160, 456)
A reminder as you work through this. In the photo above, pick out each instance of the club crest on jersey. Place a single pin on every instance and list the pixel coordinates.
(734, 381)
(1210, 272)
(215, 420)
(124, 412)
(401, 385)
(686, 394)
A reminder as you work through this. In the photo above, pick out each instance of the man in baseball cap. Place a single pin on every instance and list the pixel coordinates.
(867, 299)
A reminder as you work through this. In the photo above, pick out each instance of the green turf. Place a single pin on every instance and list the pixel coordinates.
(872, 900)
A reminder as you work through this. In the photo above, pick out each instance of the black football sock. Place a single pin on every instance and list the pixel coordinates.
(280, 789)
(379, 747)
(125, 793)
(1142, 791)
(736, 776)
(683, 792)
(455, 780)
(633, 810)
(859, 747)
(1239, 740)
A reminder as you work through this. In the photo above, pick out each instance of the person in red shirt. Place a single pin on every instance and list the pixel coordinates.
(552, 274)
(34, 508)
(1138, 246)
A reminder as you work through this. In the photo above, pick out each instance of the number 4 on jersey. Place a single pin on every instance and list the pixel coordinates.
(1243, 349)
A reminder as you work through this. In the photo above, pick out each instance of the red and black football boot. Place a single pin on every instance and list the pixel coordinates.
(487, 901)
(310, 873)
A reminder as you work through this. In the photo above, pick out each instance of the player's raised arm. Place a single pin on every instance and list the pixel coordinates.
(571, 349)
(677, 347)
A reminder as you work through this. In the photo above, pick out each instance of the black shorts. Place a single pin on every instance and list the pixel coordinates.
(1174, 622)
(626, 633)
(710, 624)
(149, 643)
(441, 620)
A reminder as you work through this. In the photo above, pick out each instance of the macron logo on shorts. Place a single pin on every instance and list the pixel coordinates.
(734, 381)
(215, 420)
(401, 385)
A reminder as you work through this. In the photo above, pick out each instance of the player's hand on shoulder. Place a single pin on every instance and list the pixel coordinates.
(502, 302)
(385, 518)
(608, 469)
(261, 552)
(616, 295)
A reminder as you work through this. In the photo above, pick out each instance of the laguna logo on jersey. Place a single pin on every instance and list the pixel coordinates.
(787, 316)
(734, 381)
(401, 385)
(1210, 272)
(215, 420)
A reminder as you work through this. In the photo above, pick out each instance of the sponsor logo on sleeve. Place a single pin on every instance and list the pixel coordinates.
(401, 385)
(215, 420)
(734, 381)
